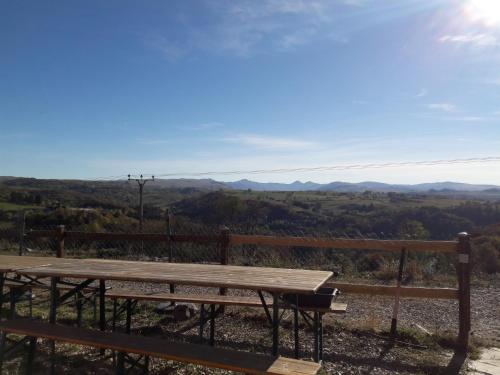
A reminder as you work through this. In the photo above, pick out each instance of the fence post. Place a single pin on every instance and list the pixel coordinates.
(463, 274)
(60, 242)
(169, 245)
(224, 250)
(395, 310)
(22, 229)
(169, 233)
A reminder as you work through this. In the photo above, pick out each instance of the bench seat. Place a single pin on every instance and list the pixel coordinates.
(245, 362)
(15, 284)
(211, 299)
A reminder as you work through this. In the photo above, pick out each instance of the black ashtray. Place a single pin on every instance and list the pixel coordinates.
(322, 299)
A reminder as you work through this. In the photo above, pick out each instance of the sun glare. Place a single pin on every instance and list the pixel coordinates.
(484, 11)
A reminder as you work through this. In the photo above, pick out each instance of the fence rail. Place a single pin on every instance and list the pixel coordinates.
(404, 291)
(226, 242)
(345, 243)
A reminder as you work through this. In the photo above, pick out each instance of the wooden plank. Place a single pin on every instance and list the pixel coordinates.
(237, 239)
(343, 243)
(193, 298)
(386, 290)
(42, 286)
(245, 362)
(335, 307)
(41, 233)
(236, 277)
(10, 263)
(104, 236)
(155, 237)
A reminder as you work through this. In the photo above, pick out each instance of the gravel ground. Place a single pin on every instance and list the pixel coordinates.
(435, 315)
(350, 348)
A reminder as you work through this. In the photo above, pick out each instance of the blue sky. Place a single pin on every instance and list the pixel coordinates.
(105, 88)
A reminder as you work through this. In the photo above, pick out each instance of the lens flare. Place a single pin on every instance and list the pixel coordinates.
(486, 12)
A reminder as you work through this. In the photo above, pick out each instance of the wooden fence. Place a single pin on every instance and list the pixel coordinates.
(461, 249)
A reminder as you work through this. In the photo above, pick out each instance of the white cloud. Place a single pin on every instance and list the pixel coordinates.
(467, 118)
(270, 143)
(478, 39)
(169, 50)
(245, 28)
(297, 38)
(446, 107)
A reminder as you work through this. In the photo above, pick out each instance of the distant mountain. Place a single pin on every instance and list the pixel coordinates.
(361, 186)
(272, 186)
(178, 183)
(213, 185)
(341, 186)
(181, 183)
(456, 186)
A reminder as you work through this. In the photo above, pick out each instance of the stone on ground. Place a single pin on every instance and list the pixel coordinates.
(488, 364)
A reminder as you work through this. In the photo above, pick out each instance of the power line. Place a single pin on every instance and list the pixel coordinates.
(488, 159)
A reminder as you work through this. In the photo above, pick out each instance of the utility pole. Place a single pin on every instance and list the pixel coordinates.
(141, 182)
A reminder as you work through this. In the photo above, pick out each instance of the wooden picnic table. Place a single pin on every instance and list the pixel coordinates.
(276, 281)
(9, 263)
(237, 277)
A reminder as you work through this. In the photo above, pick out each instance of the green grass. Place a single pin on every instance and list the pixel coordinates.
(7, 206)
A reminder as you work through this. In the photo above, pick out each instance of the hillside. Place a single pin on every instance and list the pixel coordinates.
(341, 186)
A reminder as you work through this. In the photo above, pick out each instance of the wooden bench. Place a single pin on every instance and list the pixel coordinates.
(315, 322)
(80, 298)
(210, 299)
(245, 362)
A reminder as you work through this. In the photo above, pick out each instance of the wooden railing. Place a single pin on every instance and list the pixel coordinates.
(461, 248)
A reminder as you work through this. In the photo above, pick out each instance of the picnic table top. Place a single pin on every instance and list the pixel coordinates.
(238, 277)
(9, 263)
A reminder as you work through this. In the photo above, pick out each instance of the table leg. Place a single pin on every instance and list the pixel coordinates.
(2, 348)
(2, 280)
(79, 308)
(115, 309)
(120, 365)
(102, 309)
(202, 322)
(146, 365)
(12, 303)
(54, 300)
(321, 337)
(31, 356)
(212, 325)
(30, 301)
(128, 318)
(276, 323)
(102, 305)
(316, 337)
(296, 326)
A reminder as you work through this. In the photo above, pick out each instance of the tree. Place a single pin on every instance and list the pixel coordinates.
(413, 229)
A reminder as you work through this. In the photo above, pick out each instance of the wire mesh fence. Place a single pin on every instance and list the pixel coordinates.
(9, 239)
(379, 264)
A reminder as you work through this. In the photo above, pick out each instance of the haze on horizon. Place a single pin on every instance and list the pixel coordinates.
(100, 90)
